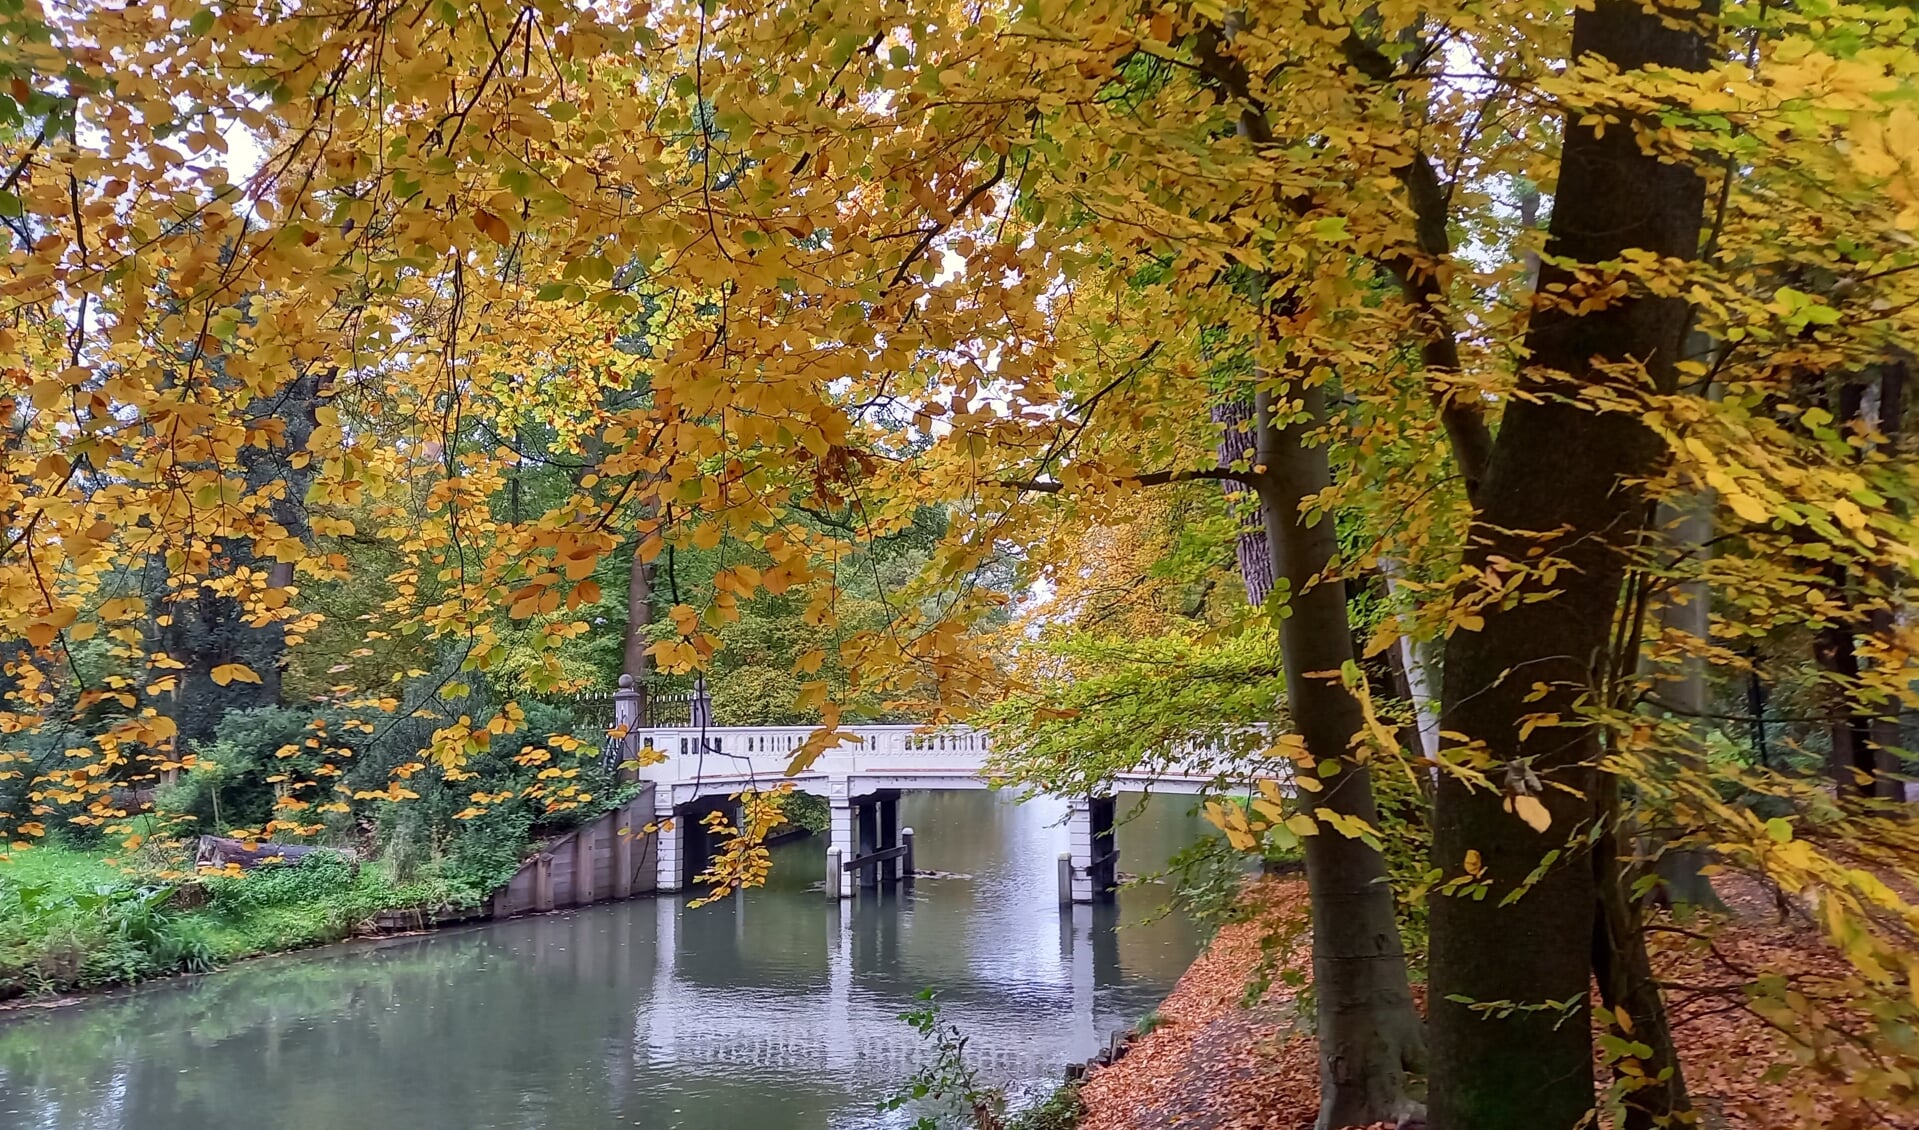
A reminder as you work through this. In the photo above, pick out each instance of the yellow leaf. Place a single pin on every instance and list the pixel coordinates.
(1746, 506)
(1902, 131)
(493, 227)
(234, 673)
(1531, 811)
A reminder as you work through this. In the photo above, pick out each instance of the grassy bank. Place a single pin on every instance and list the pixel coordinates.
(74, 920)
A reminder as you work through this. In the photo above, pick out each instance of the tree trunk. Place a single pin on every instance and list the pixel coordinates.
(1369, 1034)
(1687, 610)
(1560, 470)
(1882, 621)
(1416, 661)
(1235, 449)
(204, 629)
(1656, 1090)
(639, 614)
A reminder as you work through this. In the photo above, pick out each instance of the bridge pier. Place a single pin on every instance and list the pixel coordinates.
(864, 826)
(686, 850)
(1093, 848)
(667, 842)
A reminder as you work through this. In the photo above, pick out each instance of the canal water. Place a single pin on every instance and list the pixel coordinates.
(774, 1010)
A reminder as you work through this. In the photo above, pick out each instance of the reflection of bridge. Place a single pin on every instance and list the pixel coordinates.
(844, 1022)
(862, 779)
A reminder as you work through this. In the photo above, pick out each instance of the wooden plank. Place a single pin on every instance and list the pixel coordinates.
(875, 857)
(583, 866)
(623, 832)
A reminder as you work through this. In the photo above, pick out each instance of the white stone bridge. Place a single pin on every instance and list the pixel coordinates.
(862, 779)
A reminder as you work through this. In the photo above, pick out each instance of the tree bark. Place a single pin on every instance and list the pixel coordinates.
(1235, 449)
(1687, 609)
(1863, 759)
(639, 614)
(1560, 473)
(1369, 1035)
(1656, 1092)
(1884, 732)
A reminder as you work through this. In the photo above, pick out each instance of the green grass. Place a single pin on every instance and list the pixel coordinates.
(71, 920)
(1060, 1110)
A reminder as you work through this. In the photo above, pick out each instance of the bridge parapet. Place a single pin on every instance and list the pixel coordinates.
(863, 776)
(728, 755)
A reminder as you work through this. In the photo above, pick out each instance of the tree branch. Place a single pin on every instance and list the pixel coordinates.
(1466, 428)
(932, 233)
(1150, 479)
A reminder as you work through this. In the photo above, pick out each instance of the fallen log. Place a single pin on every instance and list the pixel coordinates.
(218, 851)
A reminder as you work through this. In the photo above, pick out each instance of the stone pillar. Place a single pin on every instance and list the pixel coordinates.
(626, 718)
(840, 835)
(666, 841)
(1079, 842)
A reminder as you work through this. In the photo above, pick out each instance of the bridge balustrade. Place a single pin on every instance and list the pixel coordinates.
(863, 774)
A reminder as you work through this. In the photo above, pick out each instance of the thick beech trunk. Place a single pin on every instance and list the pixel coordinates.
(1560, 475)
(1370, 1038)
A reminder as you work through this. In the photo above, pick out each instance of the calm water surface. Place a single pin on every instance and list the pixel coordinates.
(772, 1011)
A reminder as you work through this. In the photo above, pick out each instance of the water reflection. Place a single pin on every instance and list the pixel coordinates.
(777, 1010)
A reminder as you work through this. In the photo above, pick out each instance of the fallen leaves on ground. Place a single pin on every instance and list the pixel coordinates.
(1213, 1065)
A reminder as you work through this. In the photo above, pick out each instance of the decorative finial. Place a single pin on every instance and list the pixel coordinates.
(626, 682)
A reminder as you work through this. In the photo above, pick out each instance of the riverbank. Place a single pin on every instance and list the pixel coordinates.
(1210, 1064)
(76, 922)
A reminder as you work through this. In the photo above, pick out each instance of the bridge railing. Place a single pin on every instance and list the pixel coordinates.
(763, 753)
(766, 751)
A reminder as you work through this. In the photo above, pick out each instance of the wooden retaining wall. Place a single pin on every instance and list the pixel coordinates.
(614, 857)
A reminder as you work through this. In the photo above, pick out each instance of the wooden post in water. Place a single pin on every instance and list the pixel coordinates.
(906, 861)
(835, 877)
(1066, 878)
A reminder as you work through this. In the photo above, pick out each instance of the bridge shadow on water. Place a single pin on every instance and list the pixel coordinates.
(775, 1010)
